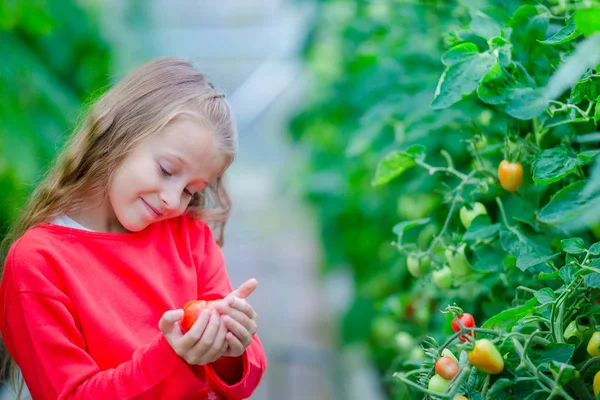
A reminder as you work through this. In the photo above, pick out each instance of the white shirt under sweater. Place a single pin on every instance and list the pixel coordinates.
(63, 220)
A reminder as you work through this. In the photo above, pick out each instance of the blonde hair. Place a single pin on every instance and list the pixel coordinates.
(154, 95)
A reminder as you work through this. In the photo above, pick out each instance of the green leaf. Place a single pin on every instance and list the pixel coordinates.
(545, 296)
(402, 227)
(529, 25)
(487, 259)
(508, 318)
(553, 165)
(595, 249)
(526, 103)
(573, 245)
(560, 352)
(481, 228)
(565, 34)
(592, 280)
(597, 111)
(483, 25)
(528, 260)
(544, 276)
(567, 273)
(564, 204)
(587, 20)
(460, 53)
(392, 166)
(585, 89)
(461, 78)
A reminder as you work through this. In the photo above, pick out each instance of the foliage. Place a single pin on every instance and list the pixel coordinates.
(400, 142)
(53, 57)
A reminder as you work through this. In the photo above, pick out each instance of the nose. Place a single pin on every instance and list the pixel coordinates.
(170, 198)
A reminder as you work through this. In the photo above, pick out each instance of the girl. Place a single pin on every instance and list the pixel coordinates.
(115, 240)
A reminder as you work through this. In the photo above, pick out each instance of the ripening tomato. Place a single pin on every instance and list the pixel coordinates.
(467, 321)
(460, 397)
(597, 384)
(510, 175)
(486, 357)
(192, 310)
(468, 214)
(446, 367)
(593, 347)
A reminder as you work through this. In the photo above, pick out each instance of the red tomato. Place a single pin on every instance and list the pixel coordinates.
(446, 367)
(192, 310)
(468, 322)
(510, 175)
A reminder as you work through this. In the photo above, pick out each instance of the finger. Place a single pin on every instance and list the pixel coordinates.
(208, 336)
(241, 318)
(238, 330)
(236, 348)
(216, 350)
(192, 336)
(245, 289)
(168, 320)
(243, 306)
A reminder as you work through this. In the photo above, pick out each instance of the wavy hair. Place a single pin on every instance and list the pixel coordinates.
(142, 104)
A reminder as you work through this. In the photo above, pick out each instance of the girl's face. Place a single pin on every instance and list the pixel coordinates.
(158, 178)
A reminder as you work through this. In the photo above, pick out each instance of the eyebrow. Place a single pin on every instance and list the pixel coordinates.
(183, 162)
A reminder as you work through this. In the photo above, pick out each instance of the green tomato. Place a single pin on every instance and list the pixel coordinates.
(577, 333)
(458, 262)
(417, 266)
(437, 384)
(480, 142)
(485, 117)
(443, 277)
(448, 353)
(404, 341)
(468, 215)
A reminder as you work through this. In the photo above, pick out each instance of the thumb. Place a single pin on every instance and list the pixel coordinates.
(245, 289)
(168, 320)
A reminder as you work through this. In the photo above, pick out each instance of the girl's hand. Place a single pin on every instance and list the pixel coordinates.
(203, 343)
(240, 319)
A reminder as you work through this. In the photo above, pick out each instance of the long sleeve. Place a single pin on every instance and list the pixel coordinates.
(42, 336)
(214, 283)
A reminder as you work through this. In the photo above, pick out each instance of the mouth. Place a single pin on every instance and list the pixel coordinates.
(153, 210)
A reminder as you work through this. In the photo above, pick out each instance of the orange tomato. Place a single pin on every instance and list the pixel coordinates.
(192, 310)
(510, 175)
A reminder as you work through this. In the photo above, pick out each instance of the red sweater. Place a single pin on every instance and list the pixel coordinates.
(80, 313)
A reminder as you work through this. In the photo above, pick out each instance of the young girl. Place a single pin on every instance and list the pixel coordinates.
(114, 241)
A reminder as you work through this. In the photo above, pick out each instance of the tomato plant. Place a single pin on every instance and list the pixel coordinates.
(422, 109)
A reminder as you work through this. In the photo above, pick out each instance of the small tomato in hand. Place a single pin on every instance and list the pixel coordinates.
(510, 175)
(467, 321)
(437, 384)
(192, 310)
(446, 367)
(486, 357)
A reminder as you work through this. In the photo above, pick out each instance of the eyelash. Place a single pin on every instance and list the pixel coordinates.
(168, 174)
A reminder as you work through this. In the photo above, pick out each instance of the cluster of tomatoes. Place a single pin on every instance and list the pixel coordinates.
(484, 356)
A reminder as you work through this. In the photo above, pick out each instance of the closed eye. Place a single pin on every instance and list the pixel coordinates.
(164, 171)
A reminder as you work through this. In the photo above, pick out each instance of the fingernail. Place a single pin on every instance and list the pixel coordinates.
(231, 300)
